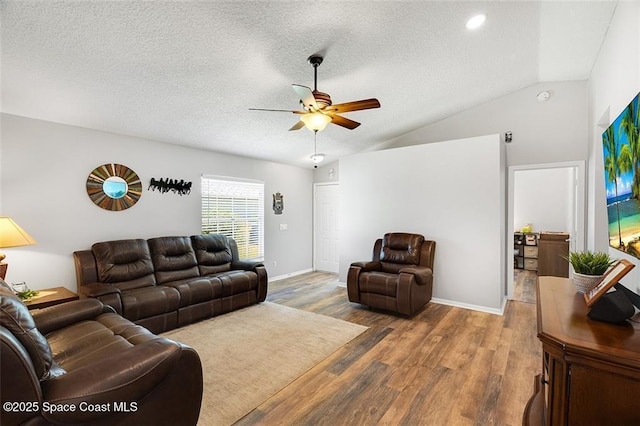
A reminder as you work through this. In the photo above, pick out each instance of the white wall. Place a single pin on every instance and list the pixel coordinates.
(543, 132)
(614, 82)
(451, 192)
(535, 191)
(329, 172)
(548, 132)
(44, 172)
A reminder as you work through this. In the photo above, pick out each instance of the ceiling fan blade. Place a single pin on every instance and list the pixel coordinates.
(344, 122)
(306, 97)
(277, 110)
(299, 125)
(354, 106)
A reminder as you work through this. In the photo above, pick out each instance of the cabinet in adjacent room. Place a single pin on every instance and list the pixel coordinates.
(553, 249)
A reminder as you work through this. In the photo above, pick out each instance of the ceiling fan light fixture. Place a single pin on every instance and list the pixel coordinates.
(315, 121)
(476, 21)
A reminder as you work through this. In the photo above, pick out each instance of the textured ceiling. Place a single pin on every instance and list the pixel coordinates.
(187, 72)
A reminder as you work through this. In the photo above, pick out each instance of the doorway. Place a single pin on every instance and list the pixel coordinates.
(326, 203)
(567, 181)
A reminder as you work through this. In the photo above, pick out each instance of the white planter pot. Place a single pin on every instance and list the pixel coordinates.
(585, 283)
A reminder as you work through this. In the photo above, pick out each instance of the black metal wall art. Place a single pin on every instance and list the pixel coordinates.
(163, 186)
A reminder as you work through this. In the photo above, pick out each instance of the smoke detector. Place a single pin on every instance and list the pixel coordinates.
(543, 96)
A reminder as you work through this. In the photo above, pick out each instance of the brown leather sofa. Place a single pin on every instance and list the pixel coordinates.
(167, 282)
(399, 278)
(81, 363)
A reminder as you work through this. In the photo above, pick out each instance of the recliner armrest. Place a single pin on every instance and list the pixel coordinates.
(127, 377)
(423, 274)
(368, 266)
(59, 316)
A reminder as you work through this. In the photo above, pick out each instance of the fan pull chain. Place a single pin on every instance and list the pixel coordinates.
(315, 147)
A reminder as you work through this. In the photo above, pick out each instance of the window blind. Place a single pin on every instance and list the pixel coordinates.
(235, 208)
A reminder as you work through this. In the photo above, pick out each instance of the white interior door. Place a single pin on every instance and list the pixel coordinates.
(326, 236)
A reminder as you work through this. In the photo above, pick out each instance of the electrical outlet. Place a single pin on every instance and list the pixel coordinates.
(275, 263)
(283, 226)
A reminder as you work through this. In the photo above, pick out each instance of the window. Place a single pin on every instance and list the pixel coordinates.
(235, 208)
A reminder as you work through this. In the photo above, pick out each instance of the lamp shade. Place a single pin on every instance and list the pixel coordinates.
(315, 121)
(11, 235)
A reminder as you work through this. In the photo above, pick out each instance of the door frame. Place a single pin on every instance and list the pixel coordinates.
(578, 241)
(315, 221)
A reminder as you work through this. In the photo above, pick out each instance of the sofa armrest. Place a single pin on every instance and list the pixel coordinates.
(97, 289)
(109, 295)
(367, 266)
(422, 274)
(246, 265)
(86, 269)
(59, 316)
(125, 378)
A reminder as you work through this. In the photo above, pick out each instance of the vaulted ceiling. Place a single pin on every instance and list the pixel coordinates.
(187, 72)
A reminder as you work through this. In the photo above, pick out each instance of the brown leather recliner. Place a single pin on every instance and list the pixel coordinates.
(81, 363)
(400, 276)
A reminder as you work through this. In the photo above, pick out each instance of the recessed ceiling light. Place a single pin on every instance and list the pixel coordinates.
(476, 21)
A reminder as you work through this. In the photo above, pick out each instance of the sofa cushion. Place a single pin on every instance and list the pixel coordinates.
(15, 317)
(124, 263)
(173, 258)
(197, 290)
(236, 282)
(85, 342)
(146, 302)
(212, 252)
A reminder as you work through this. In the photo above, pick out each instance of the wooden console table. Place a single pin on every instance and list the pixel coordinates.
(590, 369)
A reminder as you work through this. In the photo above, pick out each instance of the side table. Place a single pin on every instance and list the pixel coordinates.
(49, 297)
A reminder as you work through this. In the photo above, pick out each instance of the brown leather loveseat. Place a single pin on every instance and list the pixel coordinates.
(81, 363)
(399, 277)
(167, 282)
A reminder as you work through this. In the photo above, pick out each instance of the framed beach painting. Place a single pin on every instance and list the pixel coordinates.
(621, 154)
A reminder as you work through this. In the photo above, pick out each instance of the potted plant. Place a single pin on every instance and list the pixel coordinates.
(588, 268)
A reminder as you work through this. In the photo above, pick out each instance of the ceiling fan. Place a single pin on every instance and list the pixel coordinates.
(317, 108)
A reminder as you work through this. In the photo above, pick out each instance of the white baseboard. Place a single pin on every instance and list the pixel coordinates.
(479, 308)
(292, 274)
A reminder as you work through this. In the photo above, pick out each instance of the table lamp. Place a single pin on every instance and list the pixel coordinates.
(11, 235)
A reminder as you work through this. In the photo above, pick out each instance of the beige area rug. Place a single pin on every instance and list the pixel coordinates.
(250, 354)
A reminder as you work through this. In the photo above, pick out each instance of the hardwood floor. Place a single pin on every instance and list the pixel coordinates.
(444, 366)
(524, 285)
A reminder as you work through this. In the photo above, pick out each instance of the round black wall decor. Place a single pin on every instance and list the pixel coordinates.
(114, 187)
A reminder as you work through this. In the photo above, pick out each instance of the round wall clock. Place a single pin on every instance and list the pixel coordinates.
(114, 187)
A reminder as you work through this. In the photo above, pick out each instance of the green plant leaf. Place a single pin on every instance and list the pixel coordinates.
(589, 262)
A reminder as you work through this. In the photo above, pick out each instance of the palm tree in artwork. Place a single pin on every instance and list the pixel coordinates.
(629, 125)
(616, 162)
